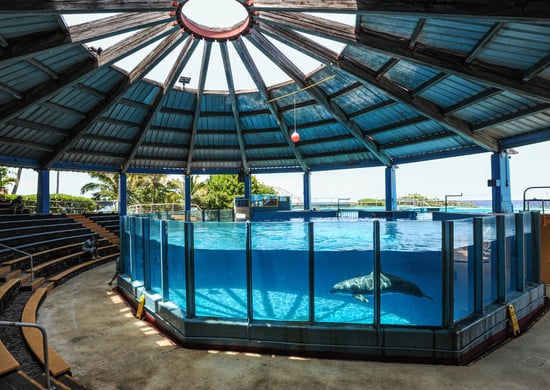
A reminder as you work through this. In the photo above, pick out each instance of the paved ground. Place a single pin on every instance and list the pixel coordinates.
(93, 330)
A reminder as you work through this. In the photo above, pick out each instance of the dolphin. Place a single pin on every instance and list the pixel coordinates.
(361, 285)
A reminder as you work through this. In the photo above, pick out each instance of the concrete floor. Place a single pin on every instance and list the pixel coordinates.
(96, 332)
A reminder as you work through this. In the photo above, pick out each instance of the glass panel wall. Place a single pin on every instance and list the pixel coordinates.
(463, 268)
(280, 287)
(343, 262)
(137, 250)
(155, 252)
(529, 245)
(176, 263)
(511, 252)
(410, 281)
(220, 269)
(126, 244)
(489, 254)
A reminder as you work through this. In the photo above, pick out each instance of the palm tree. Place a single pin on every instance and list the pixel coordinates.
(5, 179)
(105, 189)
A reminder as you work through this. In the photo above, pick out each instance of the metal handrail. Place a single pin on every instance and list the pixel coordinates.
(449, 196)
(527, 201)
(26, 254)
(44, 342)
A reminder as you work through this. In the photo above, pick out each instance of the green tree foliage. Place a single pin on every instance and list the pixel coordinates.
(105, 188)
(223, 189)
(6, 179)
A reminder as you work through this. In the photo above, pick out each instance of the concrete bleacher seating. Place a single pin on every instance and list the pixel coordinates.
(55, 243)
(110, 221)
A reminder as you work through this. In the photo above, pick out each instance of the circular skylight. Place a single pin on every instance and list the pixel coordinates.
(213, 19)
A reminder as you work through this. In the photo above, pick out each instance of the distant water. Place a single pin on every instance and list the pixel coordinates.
(483, 203)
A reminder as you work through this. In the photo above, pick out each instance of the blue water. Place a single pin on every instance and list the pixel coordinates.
(280, 270)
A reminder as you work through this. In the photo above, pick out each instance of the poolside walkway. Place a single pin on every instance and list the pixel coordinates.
(94, 331)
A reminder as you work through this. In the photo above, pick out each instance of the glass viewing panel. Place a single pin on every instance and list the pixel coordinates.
(410, 285)
(155, 252)
(511, 252)
(343, 251)
(463, 268)
(176, 263)
(280, 287)
(489, 254)
(137, 250)
(126, 245)
(220, 269)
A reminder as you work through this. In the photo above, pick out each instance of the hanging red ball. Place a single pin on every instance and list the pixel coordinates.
(295, 137)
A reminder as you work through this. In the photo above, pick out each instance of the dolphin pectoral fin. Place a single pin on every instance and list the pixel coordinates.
(362, 298)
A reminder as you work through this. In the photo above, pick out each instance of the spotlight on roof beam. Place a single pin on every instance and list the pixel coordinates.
(184, 80)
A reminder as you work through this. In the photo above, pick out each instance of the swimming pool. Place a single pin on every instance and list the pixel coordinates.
(323, 274)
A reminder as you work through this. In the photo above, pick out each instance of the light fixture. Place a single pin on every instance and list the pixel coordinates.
(184, 80)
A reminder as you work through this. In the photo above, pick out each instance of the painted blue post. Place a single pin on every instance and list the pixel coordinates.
(164, 260)
(189, 270)
(43, 192)
(478, 266)
(520, 253)
(146, 247)
(187, 197)
(501, 259)
(391, 192)
(535, 274)
(376, 271)
(311, 267)
(122, 192)
(248, 186)
(249, 296)
(500, 183)
(447, 254)
(307, 190)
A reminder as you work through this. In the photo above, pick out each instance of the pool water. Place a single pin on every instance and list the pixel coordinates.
(280, 270)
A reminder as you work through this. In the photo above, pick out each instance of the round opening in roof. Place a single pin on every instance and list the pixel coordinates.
(214, 19)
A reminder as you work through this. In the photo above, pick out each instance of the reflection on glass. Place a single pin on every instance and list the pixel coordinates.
(463, 268)
(176, 263)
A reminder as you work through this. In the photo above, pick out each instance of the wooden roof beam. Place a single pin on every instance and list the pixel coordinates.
(247, 60)
(497, 76)
(116, 93)
(535, 10)
(118, 24)
(171, 79)
(233, 102)
(200, 93)
(394, 92)
(288, 67)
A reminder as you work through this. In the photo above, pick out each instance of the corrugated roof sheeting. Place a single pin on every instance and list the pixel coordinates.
(398, 25)
(60, 106)
(17, 24)
(494, 107)
(517, 46)
(452, 90)
(410, 75)
(453, 35)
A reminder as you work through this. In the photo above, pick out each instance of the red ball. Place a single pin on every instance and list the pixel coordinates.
(295, 137)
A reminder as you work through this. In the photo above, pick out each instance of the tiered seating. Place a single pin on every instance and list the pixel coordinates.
(54, 241)
(110, 221)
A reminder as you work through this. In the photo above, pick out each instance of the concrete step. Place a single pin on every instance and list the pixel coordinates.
(31, 286)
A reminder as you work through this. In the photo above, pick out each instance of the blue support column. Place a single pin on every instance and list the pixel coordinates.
(391, 193)
(500, 183)
(248, 186)
(43, 192)
(187, 197)
(307, 190)
(122, 192)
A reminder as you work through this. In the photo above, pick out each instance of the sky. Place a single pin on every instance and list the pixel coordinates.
(466, 175)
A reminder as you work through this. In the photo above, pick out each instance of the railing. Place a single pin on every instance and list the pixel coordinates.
(26, 254)
(527, 202)
(44, 342)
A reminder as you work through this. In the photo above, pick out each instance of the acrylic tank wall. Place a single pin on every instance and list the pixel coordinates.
(413, 290)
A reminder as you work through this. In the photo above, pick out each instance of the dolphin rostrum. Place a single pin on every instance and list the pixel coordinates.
(361, 285)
